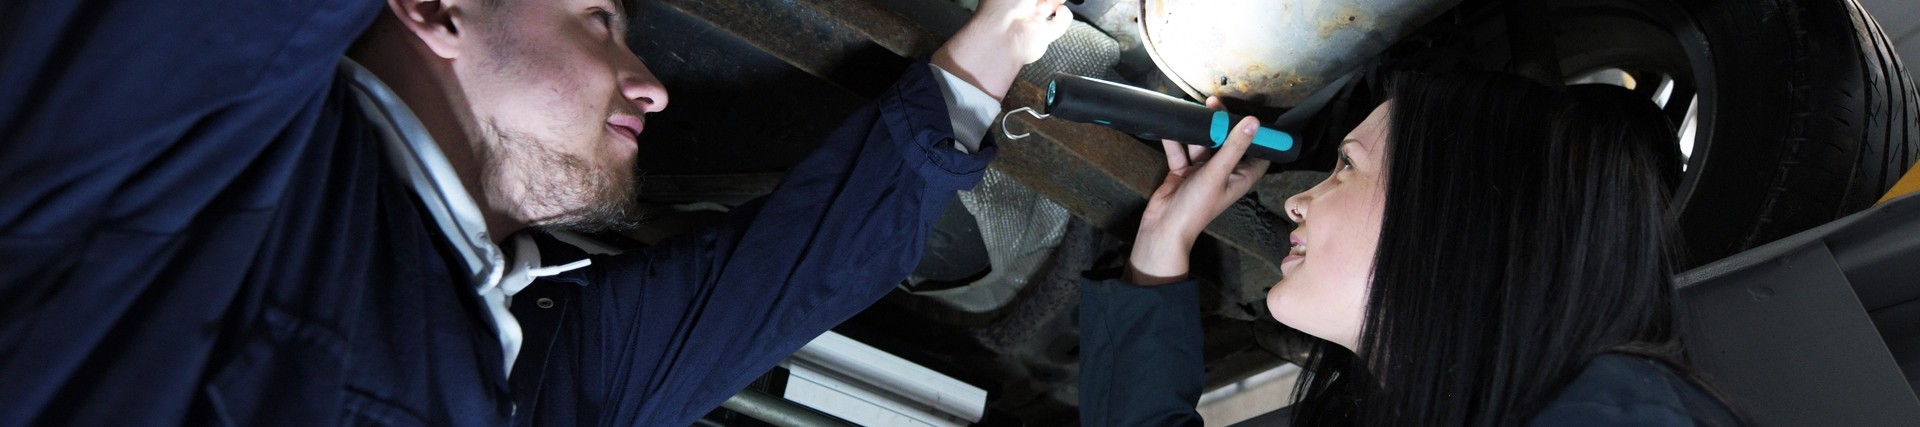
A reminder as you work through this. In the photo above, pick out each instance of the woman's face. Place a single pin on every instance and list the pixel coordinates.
(1325, 279)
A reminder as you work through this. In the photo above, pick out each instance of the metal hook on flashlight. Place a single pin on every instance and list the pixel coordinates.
(1005, 120)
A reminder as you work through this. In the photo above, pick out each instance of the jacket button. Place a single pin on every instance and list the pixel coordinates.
(544, 302)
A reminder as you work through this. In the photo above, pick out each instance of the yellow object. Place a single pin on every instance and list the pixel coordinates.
(1907, 184)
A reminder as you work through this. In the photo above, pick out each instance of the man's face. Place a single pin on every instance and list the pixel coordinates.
(560, 102)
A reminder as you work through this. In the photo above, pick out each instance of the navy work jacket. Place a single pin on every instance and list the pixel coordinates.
(1141, 365)
(199, 226)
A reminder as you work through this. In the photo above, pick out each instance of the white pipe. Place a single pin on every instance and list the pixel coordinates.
(863, 364)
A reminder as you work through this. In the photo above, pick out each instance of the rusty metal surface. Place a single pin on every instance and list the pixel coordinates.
(822, 37)
(898, 34)
(736, 107)
(1273, 53)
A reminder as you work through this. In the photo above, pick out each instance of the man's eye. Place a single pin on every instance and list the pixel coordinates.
(606, 18)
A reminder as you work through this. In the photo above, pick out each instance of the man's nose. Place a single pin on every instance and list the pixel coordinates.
(639, 86)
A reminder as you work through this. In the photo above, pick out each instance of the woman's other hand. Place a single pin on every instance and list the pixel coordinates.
(1200, 184)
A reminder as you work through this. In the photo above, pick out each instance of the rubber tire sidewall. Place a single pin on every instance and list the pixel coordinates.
(1812, 116)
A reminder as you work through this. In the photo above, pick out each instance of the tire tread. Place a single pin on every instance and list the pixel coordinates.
(1867, 156)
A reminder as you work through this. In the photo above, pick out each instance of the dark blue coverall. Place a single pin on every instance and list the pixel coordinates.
(1141, 364)
(197, 225)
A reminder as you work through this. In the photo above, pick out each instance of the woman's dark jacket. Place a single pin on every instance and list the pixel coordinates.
(1141, 365)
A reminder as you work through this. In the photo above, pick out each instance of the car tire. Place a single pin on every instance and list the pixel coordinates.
(1813, 118)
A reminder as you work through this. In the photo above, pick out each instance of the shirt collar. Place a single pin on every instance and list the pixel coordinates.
(418, 159)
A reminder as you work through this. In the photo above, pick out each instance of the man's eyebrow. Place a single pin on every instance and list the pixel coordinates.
(621, 16)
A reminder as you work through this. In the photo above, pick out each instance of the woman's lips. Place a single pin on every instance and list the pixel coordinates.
(1296, 250)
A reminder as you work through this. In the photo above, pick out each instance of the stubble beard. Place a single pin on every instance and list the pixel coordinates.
(558, 191)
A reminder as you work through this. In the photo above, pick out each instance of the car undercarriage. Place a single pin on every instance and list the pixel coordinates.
(993, 301)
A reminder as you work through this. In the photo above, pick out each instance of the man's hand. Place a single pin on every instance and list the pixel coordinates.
(1002, 36)
(1200, 185)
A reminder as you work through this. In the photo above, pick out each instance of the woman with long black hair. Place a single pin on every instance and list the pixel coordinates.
(1486, 251)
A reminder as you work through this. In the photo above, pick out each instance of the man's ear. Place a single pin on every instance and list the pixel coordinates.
(436, 22)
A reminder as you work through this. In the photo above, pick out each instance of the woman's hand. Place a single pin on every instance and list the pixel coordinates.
(1200, 185)
(1002, 36)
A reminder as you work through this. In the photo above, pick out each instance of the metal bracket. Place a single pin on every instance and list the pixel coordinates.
(1006, 119)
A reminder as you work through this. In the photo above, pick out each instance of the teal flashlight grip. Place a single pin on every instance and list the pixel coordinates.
(1268, 143)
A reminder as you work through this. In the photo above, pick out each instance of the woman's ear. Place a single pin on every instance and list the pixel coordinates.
(436, 22)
